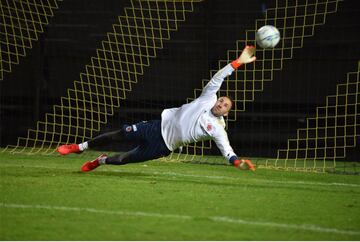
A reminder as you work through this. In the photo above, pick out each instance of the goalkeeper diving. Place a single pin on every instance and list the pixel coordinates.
(202, 119)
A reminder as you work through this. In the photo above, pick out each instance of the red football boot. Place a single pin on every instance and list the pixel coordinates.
(68, 149)
(91, 165)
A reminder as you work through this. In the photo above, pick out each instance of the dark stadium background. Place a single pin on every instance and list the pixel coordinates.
(79, 26)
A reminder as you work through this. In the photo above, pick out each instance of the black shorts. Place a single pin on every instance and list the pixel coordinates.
(151, 143)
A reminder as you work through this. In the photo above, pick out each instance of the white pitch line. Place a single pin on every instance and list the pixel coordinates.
(307, 227)
(93, 210)
(267, 181)
(313, 228)
(208, 177)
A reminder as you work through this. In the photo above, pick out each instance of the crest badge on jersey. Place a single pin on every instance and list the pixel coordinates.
(128, 129)
(209, 127)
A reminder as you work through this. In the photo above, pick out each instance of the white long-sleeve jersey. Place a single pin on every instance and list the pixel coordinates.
(194, 121)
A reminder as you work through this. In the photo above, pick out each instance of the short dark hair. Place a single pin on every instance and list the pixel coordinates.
(231, 101)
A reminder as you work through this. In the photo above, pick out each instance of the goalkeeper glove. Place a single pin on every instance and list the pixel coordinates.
(246, 56)
(244, 164)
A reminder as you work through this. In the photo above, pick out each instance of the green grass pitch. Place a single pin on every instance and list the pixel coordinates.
(48, 198)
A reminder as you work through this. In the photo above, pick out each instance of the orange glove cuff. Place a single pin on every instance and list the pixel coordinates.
(236, 163)
(235, 64)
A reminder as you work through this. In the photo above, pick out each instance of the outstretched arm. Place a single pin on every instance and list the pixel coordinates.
(222, 142)
(247, 56)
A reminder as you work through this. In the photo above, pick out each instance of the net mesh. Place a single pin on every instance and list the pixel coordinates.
(328, 134)
(21, 24)
(135, 39)
(295, 20)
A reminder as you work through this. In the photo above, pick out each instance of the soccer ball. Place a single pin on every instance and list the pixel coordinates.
(267, 36)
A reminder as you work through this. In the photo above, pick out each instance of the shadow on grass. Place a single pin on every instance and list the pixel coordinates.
(120, 174)
(159, 178)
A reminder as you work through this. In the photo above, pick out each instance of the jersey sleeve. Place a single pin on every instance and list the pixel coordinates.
(215, 83)
(222, 142)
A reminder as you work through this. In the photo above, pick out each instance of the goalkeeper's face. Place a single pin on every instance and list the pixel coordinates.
(222, 107)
